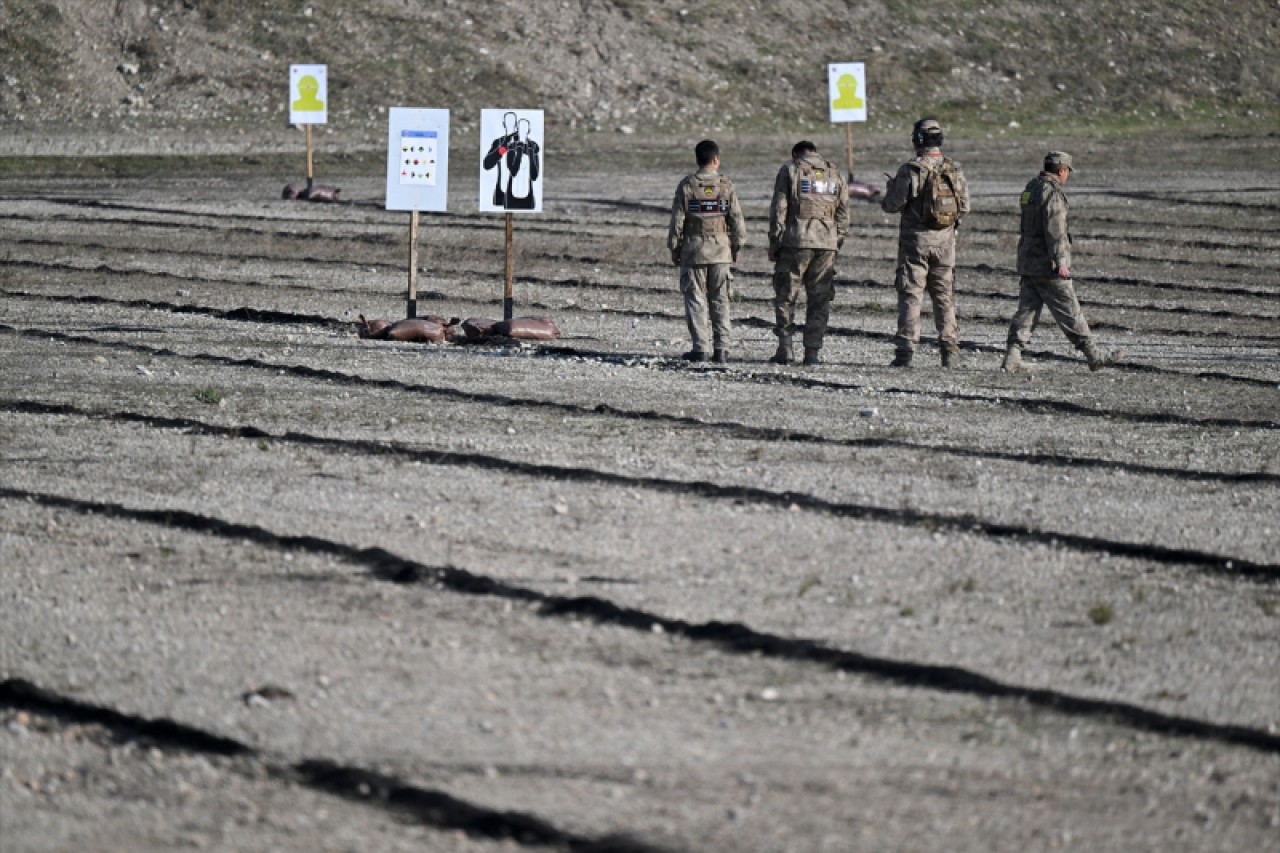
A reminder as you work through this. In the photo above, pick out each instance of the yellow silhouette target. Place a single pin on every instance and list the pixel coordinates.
(848, 99)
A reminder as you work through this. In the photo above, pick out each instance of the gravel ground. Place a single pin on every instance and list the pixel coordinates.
(272, 586)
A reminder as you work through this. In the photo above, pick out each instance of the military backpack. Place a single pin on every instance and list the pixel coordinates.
(939, 202)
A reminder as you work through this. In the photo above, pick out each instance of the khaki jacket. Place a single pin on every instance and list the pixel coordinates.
(903, 196)
(789, 225)
(1045, 242)
(692, 245)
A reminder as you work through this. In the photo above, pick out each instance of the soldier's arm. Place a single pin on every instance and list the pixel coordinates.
(675, 231)
(962, 193)
(901, 188)
(1056, 240)
(842, 210)
(737, 226)
(778, 210)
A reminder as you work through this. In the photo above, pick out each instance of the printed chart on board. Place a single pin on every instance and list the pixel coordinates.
(418, 157)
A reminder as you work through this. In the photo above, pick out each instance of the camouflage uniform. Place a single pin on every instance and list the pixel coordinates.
(705, 236)
(808, 221)
(926, 255)
(1044, 248)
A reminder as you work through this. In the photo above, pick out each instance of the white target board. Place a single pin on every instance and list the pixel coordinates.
(847, 91)
(417, 159)
(511, 160)
(308, 94)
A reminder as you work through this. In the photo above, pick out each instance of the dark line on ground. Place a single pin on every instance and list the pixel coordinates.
(245, 314)
(429, 807)
(739, 429)
(270, 316)
(1197, 202)
(524, 278)
(1210, 563)
(732, 637)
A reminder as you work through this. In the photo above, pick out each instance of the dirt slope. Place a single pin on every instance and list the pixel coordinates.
(637, 65)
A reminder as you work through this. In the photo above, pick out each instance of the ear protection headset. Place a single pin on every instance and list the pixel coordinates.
(926, 133)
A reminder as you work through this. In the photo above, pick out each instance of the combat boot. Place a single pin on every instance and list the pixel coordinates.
(1098, 360)
(811, 357)
(697, 356)
(720, 356)
(783, 355)
(950, 356)
(901, 358)
(1013, 362)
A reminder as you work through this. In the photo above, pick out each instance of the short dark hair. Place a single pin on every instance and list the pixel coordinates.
(802, 148)
(706, 151)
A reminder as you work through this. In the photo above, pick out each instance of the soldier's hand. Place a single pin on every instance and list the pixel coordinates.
(1064, 271)
(675, 257)
(773, 256)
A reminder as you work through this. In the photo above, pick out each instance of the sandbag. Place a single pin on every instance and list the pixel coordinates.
(528, 329)
(412, 329)
(372, 328)
(864, 190)
(321, 192)
(318, 192)
(478, 328)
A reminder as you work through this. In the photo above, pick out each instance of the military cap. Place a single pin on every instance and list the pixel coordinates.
(1055, 160)
(928, 125)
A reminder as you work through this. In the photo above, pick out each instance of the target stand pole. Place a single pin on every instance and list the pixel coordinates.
(848, 131)
(411, 309)
(508, 303)
(311, 172)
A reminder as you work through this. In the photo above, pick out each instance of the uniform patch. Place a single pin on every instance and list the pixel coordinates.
(817, 187)
(709, 191)
(708, 206)
(1025, 198)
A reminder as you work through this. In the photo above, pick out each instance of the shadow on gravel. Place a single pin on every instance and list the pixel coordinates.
(731, 637)
(1220, 564)
(426, 806)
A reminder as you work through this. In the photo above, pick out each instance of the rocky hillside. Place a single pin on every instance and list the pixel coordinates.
(660, 65)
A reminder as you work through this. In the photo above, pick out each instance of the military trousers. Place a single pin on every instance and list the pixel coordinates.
(922, 269)
(706, 304)
(1059, 296)
(815, 271)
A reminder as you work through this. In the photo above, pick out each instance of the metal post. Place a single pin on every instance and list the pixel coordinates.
(412, 309)
(508, 304)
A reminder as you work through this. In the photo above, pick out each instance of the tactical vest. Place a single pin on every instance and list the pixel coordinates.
(706, 205)
(816, 190)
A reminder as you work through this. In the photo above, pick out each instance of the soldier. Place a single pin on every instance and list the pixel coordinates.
(705, 236)
(931, 193)
(1044, 262)
(808, 221)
